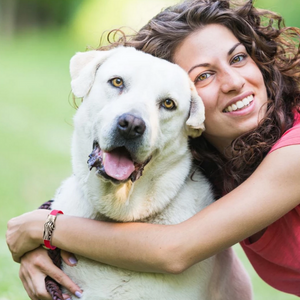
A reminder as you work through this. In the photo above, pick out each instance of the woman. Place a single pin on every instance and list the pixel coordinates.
(247, 74)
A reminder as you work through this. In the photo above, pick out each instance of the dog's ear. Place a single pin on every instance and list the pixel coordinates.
(83, 68)
(195, 123)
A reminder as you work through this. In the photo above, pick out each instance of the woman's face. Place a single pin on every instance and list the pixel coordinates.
(228, 81)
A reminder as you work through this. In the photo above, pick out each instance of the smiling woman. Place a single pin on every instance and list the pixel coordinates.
(260, 42)
(224, 77)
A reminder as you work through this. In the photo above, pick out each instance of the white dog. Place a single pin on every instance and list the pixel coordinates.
(133, 125)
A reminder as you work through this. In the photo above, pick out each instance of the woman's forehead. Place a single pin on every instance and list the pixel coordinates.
(209, 41)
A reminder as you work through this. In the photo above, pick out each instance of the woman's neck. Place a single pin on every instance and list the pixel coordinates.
(221, 145)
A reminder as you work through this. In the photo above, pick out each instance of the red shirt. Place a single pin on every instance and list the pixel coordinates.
(276, 255)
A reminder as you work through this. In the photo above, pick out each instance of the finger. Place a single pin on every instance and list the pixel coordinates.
(28, 289)
(34, 291)
(59, 276)
(69, 258)
(16, 258)
(32, 277)
(47, 267)
(38, 265)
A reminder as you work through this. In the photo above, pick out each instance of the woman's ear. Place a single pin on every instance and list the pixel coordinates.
(195, 123)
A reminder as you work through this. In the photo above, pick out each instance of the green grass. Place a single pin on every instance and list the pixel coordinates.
(35, 130)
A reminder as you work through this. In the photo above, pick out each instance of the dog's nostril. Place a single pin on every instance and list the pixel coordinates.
(139, 125)
(123, 123)
(131, 126)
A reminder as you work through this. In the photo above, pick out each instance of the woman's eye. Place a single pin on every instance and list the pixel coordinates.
(202, 77)
(168, 104)
(238, 58)
(117, 82)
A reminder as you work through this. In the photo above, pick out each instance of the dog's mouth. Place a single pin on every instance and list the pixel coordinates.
(116, 165)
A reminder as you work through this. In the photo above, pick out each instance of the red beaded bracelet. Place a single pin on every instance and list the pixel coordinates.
(49, 227)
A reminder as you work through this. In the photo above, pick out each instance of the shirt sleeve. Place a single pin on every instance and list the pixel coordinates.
(290, 137)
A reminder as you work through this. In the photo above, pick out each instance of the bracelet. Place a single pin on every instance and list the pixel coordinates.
(49, 227)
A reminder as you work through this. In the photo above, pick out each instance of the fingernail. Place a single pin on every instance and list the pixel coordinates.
(78, 294)
(64, 296)
(72, 260)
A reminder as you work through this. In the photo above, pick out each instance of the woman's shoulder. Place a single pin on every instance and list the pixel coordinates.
(290, 137)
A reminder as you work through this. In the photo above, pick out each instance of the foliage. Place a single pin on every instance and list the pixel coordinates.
(17, 15)
(35, 129)
(289, 10)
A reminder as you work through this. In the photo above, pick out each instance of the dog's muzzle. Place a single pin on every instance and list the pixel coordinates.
(117, 164)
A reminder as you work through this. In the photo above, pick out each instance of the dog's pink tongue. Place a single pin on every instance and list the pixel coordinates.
(117, 165)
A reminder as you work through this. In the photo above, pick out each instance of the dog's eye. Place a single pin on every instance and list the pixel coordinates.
(168, 104)
(117, 82)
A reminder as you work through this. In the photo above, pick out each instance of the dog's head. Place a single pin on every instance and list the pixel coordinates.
(134, 106)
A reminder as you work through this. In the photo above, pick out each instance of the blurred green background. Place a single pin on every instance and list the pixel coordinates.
(37, 40)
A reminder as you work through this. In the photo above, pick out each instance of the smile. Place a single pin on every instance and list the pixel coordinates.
(239, 104)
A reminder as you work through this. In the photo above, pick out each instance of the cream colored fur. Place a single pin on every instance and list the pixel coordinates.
(170, 190)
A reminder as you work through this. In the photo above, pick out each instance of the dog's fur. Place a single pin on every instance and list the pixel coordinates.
(169, 191)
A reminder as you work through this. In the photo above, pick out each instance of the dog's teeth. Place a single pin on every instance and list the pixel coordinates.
(103, 157)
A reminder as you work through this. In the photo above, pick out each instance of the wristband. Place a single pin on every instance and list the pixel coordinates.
(49, 227)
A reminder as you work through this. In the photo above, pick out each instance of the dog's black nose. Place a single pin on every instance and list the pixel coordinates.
(131, 126)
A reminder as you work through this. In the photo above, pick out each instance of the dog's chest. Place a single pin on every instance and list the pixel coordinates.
(106, 282)
(100, 281)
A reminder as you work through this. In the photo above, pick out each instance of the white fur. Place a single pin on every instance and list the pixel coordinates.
(166, 193)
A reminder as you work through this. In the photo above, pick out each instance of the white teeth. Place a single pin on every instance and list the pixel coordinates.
(239, 104)
(246, 101)
(103, 157)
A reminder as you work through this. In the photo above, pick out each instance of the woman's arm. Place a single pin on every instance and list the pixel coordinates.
(271, 191)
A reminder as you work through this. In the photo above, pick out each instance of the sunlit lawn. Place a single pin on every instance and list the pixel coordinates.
(35, 129)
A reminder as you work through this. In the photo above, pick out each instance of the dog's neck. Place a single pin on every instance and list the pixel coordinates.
(151, 193)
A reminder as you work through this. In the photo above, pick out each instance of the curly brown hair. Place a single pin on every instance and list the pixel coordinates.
(275, 50)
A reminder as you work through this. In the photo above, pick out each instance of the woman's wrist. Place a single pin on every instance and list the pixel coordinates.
(36, 226)
(49, 228)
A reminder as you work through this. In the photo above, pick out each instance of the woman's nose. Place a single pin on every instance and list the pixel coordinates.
(232, 80)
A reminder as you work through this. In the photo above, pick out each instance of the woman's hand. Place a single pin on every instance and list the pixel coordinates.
(36, 265)
(25, 233)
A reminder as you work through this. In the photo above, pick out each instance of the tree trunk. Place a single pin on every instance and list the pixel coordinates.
(8, 13)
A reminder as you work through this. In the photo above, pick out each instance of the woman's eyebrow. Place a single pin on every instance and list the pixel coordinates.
(197, 66)
(207, 64)
(233, 48)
